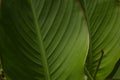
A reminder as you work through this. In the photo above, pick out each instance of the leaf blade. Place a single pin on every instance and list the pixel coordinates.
(44, 42)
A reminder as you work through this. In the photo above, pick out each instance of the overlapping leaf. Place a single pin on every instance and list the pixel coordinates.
(104, 26)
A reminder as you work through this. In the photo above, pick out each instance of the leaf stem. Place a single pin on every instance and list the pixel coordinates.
(88, 74)
(100, 60)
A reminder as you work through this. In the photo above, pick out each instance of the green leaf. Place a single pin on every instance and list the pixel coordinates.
(103, 18)
(44, 40)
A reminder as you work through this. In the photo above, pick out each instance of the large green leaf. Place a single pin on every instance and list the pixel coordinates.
(43, 40)
(104, 25)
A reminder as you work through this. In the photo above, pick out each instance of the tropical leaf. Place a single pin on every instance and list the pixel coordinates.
(103, 18)
(43, 40)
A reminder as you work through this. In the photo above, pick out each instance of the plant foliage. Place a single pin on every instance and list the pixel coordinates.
(58, 39)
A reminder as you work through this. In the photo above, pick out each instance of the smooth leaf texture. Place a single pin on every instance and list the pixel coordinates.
(104, 25)
(44, 39)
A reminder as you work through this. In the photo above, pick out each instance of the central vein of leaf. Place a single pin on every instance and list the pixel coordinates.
(41, 47)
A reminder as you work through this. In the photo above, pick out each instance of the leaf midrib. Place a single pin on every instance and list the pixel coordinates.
(41, 45)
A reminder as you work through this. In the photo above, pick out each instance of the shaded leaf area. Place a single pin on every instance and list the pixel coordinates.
(103, 18)
(117, 74)
(2, 76)
(43, 40)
